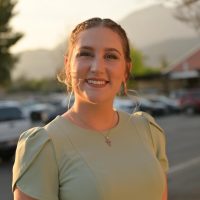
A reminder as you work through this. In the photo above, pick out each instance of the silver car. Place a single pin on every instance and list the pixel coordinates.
(12, 124)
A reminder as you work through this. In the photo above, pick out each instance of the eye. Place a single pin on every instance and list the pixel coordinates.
(111, 56)
(85, 54)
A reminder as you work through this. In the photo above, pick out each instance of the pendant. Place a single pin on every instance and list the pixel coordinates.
(108, 141)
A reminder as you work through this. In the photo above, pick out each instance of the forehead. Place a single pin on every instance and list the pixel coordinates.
(99, 37)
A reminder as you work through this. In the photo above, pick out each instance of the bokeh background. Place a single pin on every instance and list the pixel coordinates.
(165, 49)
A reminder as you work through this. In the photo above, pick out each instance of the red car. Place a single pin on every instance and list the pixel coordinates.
(190, 102)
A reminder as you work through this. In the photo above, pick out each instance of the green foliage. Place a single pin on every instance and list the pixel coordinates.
(138, 66)
(139, 69)
(7, 40)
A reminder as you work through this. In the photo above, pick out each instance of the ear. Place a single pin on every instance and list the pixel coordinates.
(129, 66)
(128, 70)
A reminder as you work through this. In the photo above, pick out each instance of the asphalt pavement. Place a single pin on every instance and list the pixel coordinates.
(183, 149)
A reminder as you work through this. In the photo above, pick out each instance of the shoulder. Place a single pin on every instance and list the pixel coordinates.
(154, 132)
(35, 151)
(36, 135)
(149, 119)
(157, 137)
(30, 144)
(157, 134)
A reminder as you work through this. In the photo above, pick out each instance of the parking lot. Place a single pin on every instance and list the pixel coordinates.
(183, 147)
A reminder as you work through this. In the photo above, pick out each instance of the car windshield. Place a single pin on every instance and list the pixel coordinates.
(10, 113)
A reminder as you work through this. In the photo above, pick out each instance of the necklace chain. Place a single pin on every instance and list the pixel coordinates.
(105, 135)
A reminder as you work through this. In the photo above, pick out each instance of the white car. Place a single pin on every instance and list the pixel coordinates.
(125, 105)
(12, 124)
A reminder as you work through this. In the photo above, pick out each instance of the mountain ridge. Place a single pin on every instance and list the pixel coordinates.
(152, 30)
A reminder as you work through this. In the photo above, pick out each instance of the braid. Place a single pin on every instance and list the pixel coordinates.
(96, 21)
(64, 76)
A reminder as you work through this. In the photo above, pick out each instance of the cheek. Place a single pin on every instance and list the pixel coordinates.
(79, 73)
(118, 73)
(78, 69)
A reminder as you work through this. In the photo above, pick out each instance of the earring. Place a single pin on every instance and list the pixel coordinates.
(123, 89)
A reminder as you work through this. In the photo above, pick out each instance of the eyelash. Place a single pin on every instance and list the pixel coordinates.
(85, 54)
(111, 56)
(107, 56)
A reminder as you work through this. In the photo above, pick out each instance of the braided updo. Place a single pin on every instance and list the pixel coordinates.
(64, 75)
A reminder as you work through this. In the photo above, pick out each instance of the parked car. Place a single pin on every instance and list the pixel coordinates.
(52, 115)
(170, 105)
(38, 112)
(65, 104)
(12, 124)
(190, 101)
(130, 106)
(125, 105)
(146, 106)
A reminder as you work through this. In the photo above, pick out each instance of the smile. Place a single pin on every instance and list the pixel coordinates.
(97, 82)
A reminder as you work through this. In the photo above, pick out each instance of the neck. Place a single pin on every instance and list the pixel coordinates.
(91, 116)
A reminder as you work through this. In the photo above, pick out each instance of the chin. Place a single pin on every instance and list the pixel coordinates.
(96, 99)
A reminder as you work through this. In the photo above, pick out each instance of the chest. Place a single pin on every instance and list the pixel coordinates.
(91, 169)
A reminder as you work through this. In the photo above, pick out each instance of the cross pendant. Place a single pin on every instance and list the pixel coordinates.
(108, 141)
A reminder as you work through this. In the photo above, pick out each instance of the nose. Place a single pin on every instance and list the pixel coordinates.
(97, 65)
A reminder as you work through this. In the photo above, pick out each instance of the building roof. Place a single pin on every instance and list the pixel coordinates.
(189, 62)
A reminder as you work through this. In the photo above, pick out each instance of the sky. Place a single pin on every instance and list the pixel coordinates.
(46, 23)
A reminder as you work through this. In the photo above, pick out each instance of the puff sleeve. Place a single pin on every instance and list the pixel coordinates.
(35, 170)
(158, 140)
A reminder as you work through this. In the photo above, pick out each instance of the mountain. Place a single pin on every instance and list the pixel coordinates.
(153, 25)
(168, 50)
(39, 63)
(153, 30)
(159, 35)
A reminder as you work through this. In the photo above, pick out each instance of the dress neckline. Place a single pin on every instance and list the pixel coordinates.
(121, 119)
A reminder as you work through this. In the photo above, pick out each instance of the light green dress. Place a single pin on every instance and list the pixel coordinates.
(63, 161)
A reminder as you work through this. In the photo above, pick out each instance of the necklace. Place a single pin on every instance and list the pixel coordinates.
(108, 140)
(105, 135)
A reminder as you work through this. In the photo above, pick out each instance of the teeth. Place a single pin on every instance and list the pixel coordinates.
(96, 82)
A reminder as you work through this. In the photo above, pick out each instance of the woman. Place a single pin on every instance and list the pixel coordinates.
(93, 151)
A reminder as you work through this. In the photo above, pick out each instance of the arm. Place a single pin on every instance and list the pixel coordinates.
(165, 193)
(158, 141)
(19, 195)
(34, 152)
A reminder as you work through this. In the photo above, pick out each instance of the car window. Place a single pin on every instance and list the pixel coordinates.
(10, 113)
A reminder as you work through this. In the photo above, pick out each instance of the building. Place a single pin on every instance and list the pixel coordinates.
(185, 72)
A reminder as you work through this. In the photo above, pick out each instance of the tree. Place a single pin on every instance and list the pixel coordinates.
(139, 68)
(7, 39)
(188, 11)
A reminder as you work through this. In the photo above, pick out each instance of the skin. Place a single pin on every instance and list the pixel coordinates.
(18, 195)
(97, 56)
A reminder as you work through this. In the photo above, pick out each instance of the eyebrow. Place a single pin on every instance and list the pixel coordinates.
(106, 49)
(113, 49)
